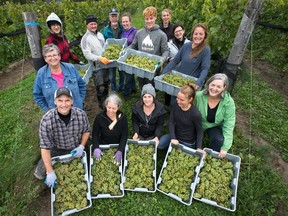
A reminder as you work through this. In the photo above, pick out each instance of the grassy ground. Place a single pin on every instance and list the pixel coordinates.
(19, 149)
(261, 190)
(265, 110)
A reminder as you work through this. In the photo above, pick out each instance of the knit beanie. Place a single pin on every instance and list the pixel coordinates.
(148, 89)
(91, 18)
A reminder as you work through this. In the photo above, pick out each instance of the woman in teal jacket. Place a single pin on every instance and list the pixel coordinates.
(218, 113)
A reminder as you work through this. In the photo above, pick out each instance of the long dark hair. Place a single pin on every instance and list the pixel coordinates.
(197, 50)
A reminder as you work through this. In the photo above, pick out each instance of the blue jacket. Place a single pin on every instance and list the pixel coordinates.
(45, 86)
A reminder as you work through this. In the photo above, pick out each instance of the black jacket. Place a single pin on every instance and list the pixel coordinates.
(101, 134)
(154, 124)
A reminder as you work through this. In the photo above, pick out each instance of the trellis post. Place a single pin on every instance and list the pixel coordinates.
(33, 35)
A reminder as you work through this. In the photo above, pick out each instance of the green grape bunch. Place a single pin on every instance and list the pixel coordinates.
(71, 189)
(112, 51)
(215, 179)
(177, 80)
(106, 176)
(141, 62)
(139, 172)
(179, 173)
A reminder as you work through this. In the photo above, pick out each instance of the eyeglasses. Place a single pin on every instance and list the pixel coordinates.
(176, 32)
(52, 56)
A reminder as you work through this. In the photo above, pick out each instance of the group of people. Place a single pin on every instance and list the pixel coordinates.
(60, 91)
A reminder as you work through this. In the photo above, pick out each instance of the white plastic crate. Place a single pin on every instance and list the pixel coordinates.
(188, 151)
(66, 159)
(236, 160)
(140, 72)
(113, 62)
(168, 88)
(103, 148)
(126, 164)
(88, 73)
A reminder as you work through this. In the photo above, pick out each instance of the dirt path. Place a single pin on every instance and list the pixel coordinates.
(15, 72)
(273, 156)
(277, 80)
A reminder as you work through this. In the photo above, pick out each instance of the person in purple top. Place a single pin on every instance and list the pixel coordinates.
(129, 32)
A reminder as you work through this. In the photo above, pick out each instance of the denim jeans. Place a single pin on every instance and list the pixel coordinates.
(112, 78)
(216, 137)
(130, 84)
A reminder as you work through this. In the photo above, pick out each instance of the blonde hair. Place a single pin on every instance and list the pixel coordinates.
(197, 50)
(167, 11)
(189, 91)
(150, 11)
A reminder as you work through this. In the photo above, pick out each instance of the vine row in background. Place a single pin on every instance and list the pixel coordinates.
(73, 13)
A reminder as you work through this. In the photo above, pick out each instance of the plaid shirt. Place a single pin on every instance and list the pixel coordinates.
(54, 132)
(63, 45)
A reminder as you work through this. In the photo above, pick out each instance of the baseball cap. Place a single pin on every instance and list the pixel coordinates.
(113, 11)
(63, 91)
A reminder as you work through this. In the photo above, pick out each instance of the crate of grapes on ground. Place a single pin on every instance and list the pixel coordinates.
(140, 166)
(112, 50)
(72, 191)
(141, 64)
(218, 180)
(179, 173)
(105, 177)
(172, 81)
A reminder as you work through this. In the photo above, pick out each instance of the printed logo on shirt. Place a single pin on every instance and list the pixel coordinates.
(147, 44)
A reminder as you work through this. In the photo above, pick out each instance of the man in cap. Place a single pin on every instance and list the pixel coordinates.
(92, 44)
(114, 30)
(63, 130)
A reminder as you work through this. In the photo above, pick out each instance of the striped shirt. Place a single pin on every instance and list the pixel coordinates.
(54, 132)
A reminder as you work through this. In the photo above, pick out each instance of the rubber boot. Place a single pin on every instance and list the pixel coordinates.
(100, 101)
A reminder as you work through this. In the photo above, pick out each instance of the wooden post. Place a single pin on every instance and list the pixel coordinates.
(33, 35)
(242, 39)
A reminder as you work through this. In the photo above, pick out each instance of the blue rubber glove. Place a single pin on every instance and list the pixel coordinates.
(77, 152)
(51, 179)
(97, 153)
(117, 158)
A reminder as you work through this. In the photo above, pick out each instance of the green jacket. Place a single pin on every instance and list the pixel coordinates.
(108, 31)
(225, 116)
